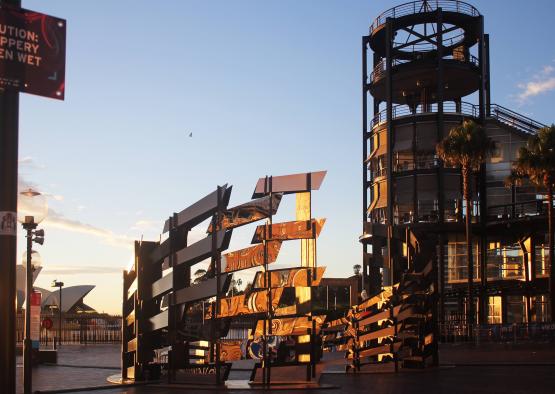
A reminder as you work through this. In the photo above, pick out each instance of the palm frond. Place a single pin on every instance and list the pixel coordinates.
(536, 160)
(466, 146)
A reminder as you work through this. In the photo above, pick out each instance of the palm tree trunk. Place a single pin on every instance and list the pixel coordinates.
(469, 257)
(551, 254)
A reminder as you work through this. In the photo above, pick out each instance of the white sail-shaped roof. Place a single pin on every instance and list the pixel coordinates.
(71, 295)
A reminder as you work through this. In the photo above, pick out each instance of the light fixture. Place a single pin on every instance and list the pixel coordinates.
(36, 260)
(32, 206)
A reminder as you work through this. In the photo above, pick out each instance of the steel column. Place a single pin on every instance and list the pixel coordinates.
(389, 119)
(365, 181)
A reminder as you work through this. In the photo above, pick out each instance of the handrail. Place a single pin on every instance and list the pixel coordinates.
(518, 209)
(465, 109)
(422, 6)
(379, 70)
(497, 112)
(514, 119)
(424, 46)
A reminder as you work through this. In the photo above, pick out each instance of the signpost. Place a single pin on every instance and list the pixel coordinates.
(32, 60)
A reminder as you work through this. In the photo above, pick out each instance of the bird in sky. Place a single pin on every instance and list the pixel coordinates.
(190, 134)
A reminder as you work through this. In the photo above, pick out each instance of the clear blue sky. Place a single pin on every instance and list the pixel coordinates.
(266, 87)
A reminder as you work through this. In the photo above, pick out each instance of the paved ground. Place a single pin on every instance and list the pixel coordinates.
(490, 380)
(78, 366)
(499, 368)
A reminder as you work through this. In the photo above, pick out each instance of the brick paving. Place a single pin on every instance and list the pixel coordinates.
(489, 368)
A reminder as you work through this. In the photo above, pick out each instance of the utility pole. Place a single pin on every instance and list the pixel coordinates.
(9, 140)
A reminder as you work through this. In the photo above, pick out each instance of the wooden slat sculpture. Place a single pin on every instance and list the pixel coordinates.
(397, 325)
(167, 314)
(181, 325)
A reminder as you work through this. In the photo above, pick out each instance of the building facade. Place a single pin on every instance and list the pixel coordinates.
(426, 68)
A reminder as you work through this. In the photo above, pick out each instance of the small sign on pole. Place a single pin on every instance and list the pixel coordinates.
(32, 52)
(36, 298)
(8, 223)
(47, 323)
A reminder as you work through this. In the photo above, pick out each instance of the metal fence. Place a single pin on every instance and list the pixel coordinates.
(515, 332)
(83, 328)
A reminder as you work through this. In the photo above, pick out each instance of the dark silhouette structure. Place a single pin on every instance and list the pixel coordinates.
(426, 68)
(175, 325)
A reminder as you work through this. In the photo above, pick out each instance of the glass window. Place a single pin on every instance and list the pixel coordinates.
(542, 259)
(457, 268)
(453, 197)
(540, 309)
(494, 310)
(403, 161)
(404, 199)
(505, 261)
(427, 198)
(515, 309)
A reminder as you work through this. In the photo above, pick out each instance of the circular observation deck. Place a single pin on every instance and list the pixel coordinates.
(402, 113)
(461, 77)
(460, 21)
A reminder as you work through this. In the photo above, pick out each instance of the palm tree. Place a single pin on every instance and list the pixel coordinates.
(536, 162)
(200, 276)
(467, 146)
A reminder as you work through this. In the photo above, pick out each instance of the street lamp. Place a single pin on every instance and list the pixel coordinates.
(59, 285)
(31, 210)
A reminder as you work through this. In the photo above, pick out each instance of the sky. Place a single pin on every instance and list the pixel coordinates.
(266, 88)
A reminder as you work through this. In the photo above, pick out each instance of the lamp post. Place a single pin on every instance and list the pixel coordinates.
(59, 285)
(32, 209)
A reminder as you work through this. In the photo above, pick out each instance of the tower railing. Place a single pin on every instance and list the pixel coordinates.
(380, 68)
(497, 112)
(449, 107)
(416, 7)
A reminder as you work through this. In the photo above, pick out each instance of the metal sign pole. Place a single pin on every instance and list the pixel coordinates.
(9, 135)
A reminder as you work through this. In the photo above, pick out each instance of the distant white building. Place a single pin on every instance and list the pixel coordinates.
(72, 296)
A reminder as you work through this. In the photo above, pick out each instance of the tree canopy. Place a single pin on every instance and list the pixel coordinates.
(467, 146)
(536, 160)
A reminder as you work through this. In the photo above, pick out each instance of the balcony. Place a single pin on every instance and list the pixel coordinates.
(417, 7)
(403, 111)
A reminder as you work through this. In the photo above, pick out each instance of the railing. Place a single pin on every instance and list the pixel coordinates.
(416, 7)
(512, 332)
(380, 69)
(514, 119)
(517, 210)
(449, 107)
(454, 40)
(76, 329)
(497, 112)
